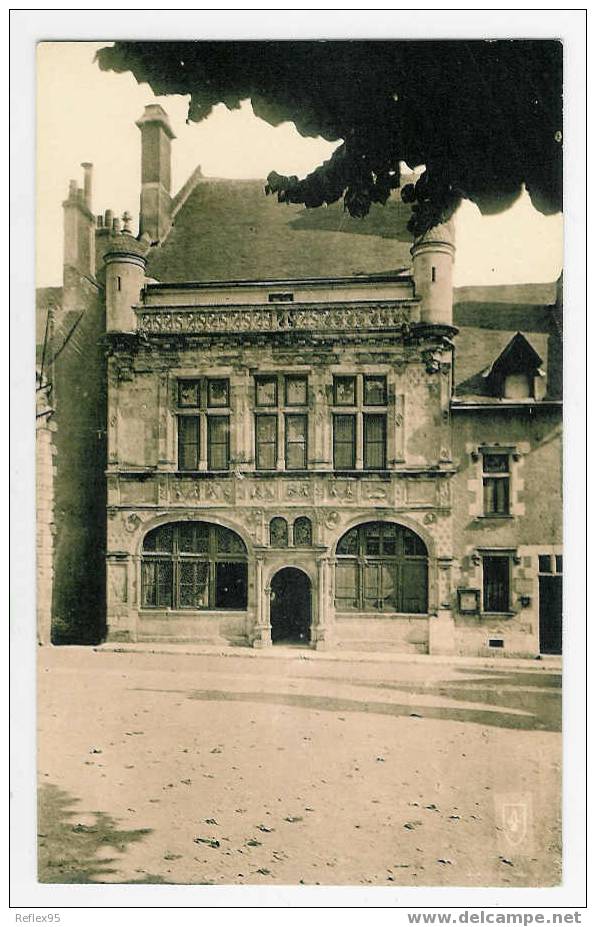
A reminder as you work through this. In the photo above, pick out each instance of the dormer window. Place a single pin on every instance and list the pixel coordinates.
(513, 374)
(518, 386)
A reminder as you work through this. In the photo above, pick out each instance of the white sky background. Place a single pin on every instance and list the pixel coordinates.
(85, 114)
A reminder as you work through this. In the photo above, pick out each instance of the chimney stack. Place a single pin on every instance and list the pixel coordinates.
(79, 229)
(156, 201)
(88, 184)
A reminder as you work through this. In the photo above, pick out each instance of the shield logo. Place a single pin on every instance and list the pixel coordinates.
(515, 822)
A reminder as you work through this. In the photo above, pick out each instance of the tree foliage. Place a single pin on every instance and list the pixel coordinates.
(482, 117)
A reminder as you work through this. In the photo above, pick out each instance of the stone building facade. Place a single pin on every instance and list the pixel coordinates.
(312, 459)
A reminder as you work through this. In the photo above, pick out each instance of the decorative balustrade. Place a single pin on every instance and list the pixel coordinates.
(370, 316)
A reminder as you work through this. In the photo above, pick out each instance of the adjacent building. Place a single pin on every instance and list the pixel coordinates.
(304, 434)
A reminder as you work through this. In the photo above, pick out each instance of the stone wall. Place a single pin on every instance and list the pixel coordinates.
(79, 397)
(534, 435)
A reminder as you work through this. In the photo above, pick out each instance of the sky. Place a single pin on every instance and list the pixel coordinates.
(85, 114)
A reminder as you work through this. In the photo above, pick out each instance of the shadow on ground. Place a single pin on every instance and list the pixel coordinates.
(537, 695)
(68, 850)
(541, 709)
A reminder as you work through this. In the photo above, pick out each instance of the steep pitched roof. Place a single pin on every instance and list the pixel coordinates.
(229, 229)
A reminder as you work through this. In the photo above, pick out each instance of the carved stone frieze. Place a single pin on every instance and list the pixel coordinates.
(274, 318)
(266, 492)
(215, 491)
(375, 492)
(298, 491)
(186, 491)
(342, 491)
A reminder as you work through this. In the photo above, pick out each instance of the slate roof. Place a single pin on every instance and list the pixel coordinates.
(229, 230)
(488, 318)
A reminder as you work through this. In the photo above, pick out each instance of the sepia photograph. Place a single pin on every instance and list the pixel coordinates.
(299, 461)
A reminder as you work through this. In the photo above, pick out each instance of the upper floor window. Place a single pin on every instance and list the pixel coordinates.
(203, 413)
(281, 422)
(496, 478)
(360, 422)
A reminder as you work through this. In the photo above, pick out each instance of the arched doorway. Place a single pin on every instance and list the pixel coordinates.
(290, 607)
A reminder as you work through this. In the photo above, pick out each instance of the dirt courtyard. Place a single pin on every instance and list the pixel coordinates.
(195, 769)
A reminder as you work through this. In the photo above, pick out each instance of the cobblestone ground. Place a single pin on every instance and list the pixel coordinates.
(223, 769)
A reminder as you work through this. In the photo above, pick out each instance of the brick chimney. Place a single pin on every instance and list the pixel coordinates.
(79, 228)
(156, 201)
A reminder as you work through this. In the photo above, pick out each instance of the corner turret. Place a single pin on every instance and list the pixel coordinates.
(433, 255)
(125, 263)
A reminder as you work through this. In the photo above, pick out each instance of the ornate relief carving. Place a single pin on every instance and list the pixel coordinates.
(263, 491)
(377, 316)
(217, 492)
(331, 519)
(374, 492)
(131, 522)
(342, 490)
(444, 493)
(187, 490)
(298, 491)
(254, 520)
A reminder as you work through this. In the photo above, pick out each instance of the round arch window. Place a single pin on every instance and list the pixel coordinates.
(194, 565)
(381, 567)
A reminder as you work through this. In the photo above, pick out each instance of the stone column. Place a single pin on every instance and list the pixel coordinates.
(112, 413)
(398, 426)
(163, 445)
(262, 631)
(320, 632)
(240, 421)
(281, 441)
(441, 631)
(202, 442)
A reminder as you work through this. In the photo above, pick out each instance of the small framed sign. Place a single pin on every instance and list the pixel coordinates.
(468, 601)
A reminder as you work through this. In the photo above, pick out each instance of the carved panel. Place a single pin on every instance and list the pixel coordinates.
(133, 492)
(375, 492)
(185, 491)
(299, 491)
(421, 492)
(117, 583)
(218, 491)
(444, 493)
(263, 492)
(342, 491)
